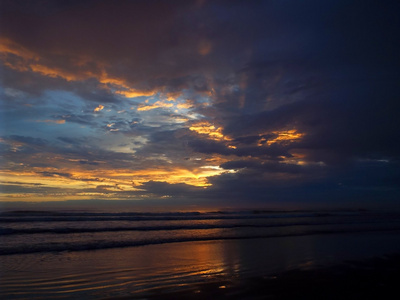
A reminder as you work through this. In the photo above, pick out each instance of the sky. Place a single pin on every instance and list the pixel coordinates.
(272, 103)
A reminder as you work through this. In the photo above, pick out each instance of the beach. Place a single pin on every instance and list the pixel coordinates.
(239, 255)
(375, 278)
(199, 149)
(284, 268)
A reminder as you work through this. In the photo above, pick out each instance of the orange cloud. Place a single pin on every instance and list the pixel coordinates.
(54, 72)
(99, 108)
(185, 105)
(132, 93)
(9, 47)
(213, 132)
(52, 121)
(31, 61)
(68, 180)
(196, 176)
(285, 136)
(157, 104)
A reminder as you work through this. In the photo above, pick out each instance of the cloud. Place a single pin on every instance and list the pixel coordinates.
(226, 100)
(99, 108)
(51, 121)
(155, 105)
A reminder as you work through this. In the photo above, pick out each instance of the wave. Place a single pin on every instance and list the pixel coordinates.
(103, 244)
(70, 230)
(41, 216)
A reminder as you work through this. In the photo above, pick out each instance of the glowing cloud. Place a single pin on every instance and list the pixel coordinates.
(287, 136)
(213, 132)
(54, 72)
(185, 105)
(33, 62)
(132, 93)
(52, 121)
(157, 104)
(8, 47)
(99, 108)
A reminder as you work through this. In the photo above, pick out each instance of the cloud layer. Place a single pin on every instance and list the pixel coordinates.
(226, 102)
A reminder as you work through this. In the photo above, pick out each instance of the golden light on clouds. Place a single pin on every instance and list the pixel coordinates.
(120, 86)
(43, 184)
(9, 47)
(158, 104)
(98, 103)
(52, 121)
(99, 108)
(212, 132)
(185, 105)
(54, 72)
(285, 136)
(31, 61)
(132, 93)
(195, 177)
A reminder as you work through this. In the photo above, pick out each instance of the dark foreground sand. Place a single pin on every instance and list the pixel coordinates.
(377, 278)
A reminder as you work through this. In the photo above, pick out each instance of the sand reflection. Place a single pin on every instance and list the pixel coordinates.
(169, 267)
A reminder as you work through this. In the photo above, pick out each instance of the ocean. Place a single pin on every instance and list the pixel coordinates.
(96, 255)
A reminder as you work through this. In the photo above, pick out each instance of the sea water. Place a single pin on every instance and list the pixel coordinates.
(91, 255)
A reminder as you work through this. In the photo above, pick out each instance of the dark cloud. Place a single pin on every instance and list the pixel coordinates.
(264, 166)
(69, 140)
(55, 174)
(174, 190)
(20, 188)
(252, 72)
(27, 140)
(209, 147)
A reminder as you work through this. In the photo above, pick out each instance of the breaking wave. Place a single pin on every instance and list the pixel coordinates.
(31, 232)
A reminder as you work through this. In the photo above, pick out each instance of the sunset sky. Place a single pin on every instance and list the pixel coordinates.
(233, 103)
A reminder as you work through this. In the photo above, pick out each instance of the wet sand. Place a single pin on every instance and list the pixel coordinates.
(376, 278)
(335, 266)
